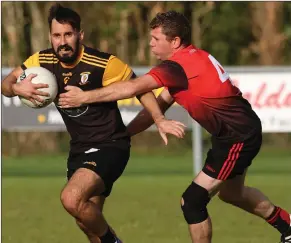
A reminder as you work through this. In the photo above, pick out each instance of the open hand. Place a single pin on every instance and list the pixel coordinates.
(74, 97)
(173, 127)
(29, 90)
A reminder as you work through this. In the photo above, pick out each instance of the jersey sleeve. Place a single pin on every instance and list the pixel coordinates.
(169, 74)
(32, 61)
(116, 71)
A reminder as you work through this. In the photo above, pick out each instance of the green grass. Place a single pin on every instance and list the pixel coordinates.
(144, 205)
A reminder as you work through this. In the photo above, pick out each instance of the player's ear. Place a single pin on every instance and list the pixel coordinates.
(81, 35)
(49, 37)
(176, 42)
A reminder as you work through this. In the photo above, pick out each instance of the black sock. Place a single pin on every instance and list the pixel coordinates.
(279, 219)
(108, 237)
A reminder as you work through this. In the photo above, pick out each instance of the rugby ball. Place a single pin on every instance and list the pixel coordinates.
(43, 76)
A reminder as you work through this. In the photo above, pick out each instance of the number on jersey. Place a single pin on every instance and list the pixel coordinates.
(223, 75)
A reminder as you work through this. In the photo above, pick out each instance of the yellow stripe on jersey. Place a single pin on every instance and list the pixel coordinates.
(94, 57)
(49, 59)
(46, 55)
(94, 60)
(49, 62)
(116, 71)
(32, 61)
(93, 63)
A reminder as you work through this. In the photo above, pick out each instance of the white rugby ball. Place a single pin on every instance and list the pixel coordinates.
(43, 76)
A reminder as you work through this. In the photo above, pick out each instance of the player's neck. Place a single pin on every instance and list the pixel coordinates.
(177, 50)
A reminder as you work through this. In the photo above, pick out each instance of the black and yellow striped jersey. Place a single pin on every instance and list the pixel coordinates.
(98, 123)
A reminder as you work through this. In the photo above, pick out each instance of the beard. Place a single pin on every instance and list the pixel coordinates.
(66, 58)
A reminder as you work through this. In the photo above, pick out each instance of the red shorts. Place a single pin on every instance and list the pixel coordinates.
(226, 160)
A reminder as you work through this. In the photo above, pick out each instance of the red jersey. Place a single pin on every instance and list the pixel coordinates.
(198, 82)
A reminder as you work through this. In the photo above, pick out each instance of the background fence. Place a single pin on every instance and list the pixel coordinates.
(268, 89)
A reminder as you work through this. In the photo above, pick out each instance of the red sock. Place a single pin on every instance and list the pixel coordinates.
(279, 219)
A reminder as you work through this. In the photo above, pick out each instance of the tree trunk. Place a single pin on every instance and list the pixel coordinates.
(267, 25)
(13, 27)
(39, 28)
(141, 22)
(123, 36)
(199, 10)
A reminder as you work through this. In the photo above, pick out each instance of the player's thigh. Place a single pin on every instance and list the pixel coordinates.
(226, 161)
(212, 185)
(108, 163)
(83, 184)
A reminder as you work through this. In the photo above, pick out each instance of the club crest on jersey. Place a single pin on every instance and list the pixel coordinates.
(84, 78)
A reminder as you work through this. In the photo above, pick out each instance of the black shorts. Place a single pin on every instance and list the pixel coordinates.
(226, 160)
(107, 162)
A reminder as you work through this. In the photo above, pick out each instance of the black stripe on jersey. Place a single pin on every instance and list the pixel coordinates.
(94, 60)
(93, 53)
(47, 57)
(99, 59)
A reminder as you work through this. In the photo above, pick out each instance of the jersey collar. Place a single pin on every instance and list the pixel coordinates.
(185, 49)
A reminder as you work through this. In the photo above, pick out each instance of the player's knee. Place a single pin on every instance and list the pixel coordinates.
(194, 203)
(70, 202)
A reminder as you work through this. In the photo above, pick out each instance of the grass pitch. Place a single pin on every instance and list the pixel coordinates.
(145, 203)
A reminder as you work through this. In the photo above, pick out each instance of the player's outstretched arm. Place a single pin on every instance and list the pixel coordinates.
(145, 119)
(123, 90)
(75, 97)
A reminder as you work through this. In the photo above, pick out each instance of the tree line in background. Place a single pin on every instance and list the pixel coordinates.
(237, 33)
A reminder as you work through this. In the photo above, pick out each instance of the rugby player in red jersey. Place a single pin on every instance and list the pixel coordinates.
(197, 81)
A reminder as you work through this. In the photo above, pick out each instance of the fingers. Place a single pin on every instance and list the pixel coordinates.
(40, 86)
(65, 106)
(70, 87)
(173, 127)
(37, 98)
(164, 137)
(178, 129)
(63, 95)
(31, 76)
(180, 123)
(38, 92)
(33, 101)
(176, 132)
(62, 101)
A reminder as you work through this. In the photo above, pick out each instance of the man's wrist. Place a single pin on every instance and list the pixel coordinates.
(87, 97)
(14, 92)
(159, 118)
